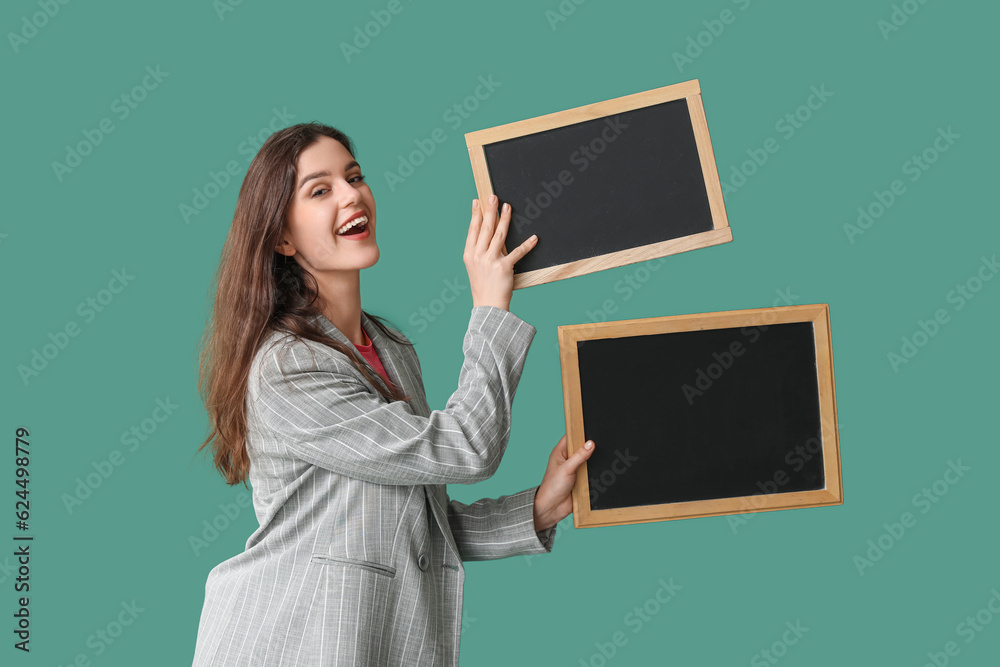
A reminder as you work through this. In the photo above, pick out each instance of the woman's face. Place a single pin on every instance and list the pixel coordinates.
(329, 192)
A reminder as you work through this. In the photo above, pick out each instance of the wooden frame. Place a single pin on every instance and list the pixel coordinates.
(817, 314)
(688, 90)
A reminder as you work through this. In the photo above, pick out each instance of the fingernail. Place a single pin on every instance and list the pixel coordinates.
(493, 199)
(534, 237)
(506, 207)
(475, 204)
(589, 444)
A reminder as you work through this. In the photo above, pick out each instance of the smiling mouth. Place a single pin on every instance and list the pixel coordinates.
(356, 226)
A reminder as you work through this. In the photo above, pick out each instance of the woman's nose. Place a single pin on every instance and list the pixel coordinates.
(350, 195)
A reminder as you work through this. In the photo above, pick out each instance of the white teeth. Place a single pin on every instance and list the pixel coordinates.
(354, 223)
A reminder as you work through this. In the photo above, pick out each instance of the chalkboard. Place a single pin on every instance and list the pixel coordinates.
(701, 415)
(608, 184)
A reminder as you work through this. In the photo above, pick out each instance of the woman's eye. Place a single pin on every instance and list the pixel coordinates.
(358, 178)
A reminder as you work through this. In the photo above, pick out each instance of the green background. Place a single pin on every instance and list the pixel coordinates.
(741, 583)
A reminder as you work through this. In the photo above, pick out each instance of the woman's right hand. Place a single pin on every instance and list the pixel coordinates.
(491, 271)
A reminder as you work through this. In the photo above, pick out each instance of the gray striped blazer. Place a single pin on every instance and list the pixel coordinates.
(358, 557)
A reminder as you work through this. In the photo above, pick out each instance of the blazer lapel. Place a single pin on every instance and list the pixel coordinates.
(401, 366)
(388, 353)
(395, 358)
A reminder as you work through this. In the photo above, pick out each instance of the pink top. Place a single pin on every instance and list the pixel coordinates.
(368, 352)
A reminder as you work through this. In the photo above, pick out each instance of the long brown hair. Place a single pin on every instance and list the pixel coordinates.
(257, 291)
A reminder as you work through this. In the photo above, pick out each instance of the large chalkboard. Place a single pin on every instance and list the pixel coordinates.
(608, 184)
(697, 415)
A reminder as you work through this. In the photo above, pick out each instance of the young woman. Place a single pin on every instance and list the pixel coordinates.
(358, 557)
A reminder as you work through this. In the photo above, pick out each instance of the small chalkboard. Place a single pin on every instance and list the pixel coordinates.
(702, 415)
(604, 185)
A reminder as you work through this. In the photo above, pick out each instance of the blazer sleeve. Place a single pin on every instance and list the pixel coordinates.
(498, 528)
(314, 401)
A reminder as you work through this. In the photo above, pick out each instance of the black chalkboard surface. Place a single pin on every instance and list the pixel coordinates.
(702, 414)
(603, 185)
(608, 184)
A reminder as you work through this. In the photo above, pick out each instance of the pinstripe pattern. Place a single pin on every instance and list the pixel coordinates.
(358, 557)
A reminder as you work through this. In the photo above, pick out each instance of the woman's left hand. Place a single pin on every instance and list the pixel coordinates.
(553, 500)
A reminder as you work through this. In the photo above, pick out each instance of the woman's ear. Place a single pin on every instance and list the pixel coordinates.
(285, 248)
